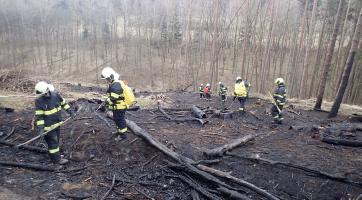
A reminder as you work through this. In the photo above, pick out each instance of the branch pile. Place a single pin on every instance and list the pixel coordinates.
(188, 166)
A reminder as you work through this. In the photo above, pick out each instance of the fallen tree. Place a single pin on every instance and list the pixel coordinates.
(25, 147)
(198, 112)
(344, 142)
(220, 151)
(184, 161)
(27, 166)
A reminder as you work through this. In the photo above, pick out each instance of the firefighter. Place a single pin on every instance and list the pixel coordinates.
(222, 93)
(280, 99)
(116, 101)
(207, 92)
(240, 93)
(201, 91)
(48, 105)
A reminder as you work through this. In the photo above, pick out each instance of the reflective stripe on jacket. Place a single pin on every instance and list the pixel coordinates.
(223, 91)
(115, 96)
(201, 90)
(280, 95)
(47, 110)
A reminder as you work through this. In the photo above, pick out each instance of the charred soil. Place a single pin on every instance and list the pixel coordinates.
(282, 159)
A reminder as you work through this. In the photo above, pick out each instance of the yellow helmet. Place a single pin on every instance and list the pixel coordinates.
(279, 81)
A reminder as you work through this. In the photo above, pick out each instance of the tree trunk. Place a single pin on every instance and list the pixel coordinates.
(348, 67)
(304, 85)
(328, 60)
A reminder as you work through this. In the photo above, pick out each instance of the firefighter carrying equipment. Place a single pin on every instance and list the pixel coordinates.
(240, 89)
(280, 95)
(48, 117)
(47, 110)
(120, 96)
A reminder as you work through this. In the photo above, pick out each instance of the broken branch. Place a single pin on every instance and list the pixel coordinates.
(219, 151)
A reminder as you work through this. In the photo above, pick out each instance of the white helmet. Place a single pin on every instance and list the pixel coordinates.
(208, 85)
(238, 78)
(107, 72)
(220, 83)
(51, 87)
(202, 84)
(41, 87)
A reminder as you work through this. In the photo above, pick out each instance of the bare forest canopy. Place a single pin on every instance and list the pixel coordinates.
(160, 45)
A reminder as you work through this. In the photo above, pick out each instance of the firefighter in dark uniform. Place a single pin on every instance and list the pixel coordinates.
(201, 91)
(222, 93)
(280, 99)
(47, 113)
(115, 101)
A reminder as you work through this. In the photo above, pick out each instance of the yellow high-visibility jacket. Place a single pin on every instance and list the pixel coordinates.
(240, 89)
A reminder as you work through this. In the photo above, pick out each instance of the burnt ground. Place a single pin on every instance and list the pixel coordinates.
(89, 142)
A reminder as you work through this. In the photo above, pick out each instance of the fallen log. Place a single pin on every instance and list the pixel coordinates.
(27, 166)
(164, 113)
(238, 181)
(25, 147)
(232, 194)
(198, 112)
(344, 142)
(187, 162)
(202, 122)
(219, 151)
(312, 172)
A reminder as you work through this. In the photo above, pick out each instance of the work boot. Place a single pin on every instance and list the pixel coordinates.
(121, 137)
(63, 161)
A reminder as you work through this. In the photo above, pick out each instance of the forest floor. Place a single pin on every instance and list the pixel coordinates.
(294, 148)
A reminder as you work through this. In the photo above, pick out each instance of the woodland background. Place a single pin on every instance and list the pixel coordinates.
(173, 44)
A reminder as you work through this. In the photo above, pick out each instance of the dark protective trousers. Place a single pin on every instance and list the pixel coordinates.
(120, 120)
(275, 113)
(242, 103)
(52, 140)
(201, 95)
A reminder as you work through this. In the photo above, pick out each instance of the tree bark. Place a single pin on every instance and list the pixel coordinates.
(304, 84)
(328, 60)
(348, 67)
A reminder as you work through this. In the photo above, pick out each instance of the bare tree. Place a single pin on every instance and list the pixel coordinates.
(348, 67)
(328, 60)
